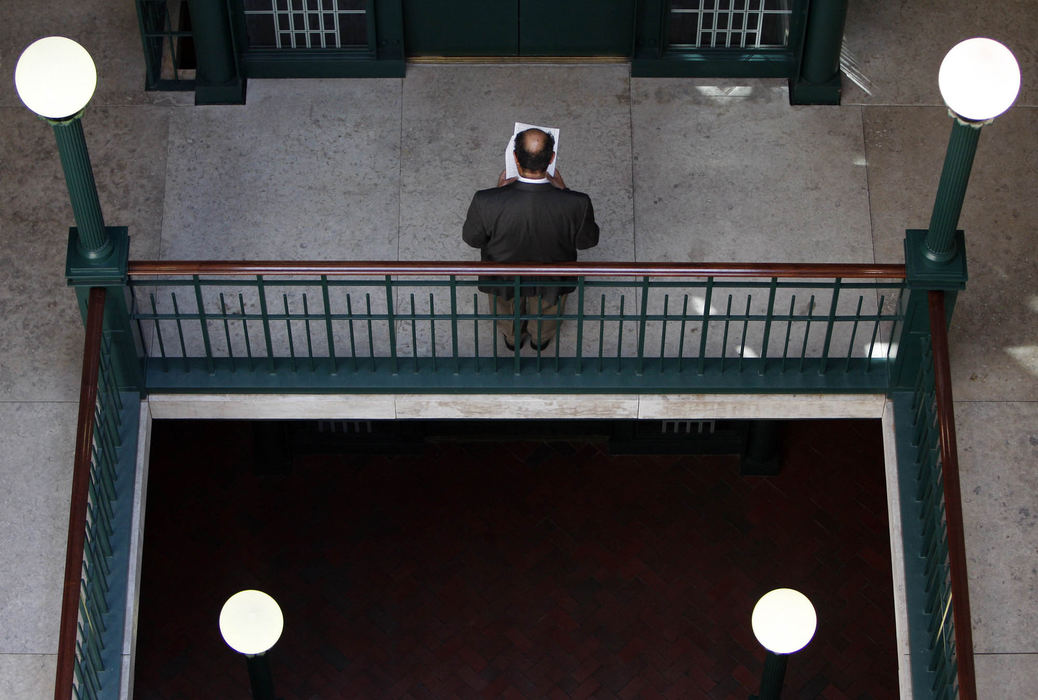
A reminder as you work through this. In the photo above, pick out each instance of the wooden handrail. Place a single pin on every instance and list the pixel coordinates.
(952, 499)
(574, 269)
(77, 519)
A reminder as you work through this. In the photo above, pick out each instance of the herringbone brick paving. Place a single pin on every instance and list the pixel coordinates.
(533, 569)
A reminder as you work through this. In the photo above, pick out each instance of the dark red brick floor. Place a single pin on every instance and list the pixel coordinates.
(516, 570)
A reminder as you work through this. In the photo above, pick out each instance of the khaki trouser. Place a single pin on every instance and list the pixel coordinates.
(544, 330)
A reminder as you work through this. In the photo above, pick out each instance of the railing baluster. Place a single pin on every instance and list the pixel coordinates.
(265, 318)
(391, 324)
(829, 326)
(475, 328)
(432, 330)
(767, 326)
(662, 333)
(203, 324)
(601, 335)
(158, 333)
(620, 336)
(580, 326)
(455, 352)
(875, 331)
(353, 343)
(745, 324)
(288, 332)
(227, 332)
(326, 298)
(245, 332)
(180, 331)
(707, 300)
(854, 333)
(306, 325)
(789, 331)
(681, 333)
(724, 337)
(414, 336)
(641, 325)
(807, 330)
(371, 337)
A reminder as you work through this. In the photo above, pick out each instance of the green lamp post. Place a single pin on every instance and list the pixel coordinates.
(55, 78)
(979, 79)
(251, 623)
(783, 621)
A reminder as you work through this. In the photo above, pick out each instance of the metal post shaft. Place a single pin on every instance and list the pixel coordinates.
(94, 241)
(773, 676)
(951, 191)
(260, 678)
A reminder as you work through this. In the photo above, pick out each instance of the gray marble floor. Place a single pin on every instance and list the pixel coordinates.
(679, 170)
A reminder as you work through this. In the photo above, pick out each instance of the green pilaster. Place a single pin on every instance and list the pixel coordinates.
(81, 273)
(818, 81)
(940, 244)
(924, 274)
(218, 79)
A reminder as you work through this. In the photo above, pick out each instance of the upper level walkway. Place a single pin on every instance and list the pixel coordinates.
(383, 170)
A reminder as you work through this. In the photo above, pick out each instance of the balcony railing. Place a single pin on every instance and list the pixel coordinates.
(664, 328)
(374, 327)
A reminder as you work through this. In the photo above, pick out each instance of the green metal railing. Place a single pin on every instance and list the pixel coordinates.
(97, 556)
(935, 560)
(426, 327)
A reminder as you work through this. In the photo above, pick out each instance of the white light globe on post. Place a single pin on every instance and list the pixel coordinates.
(55, 77)
(979, 79)
(251, 622)
(784, 621)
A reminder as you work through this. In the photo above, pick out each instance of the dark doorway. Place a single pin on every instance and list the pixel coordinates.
(533, 567)
(518, 28)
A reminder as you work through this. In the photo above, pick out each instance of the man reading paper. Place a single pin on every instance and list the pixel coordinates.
(531, 218)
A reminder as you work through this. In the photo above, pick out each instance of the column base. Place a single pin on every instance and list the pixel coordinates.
(232, 93)
(924, 273)
(801, 92)
(81, 271)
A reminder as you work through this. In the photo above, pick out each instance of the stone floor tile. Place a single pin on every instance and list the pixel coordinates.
(998, 450)
(728, 171)
(39, 442)
(27, 676)
(1006, 675)
(306, 170)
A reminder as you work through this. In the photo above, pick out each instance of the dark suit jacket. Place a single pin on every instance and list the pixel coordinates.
(523, 222)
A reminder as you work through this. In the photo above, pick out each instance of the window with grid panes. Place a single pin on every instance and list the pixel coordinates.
(729, 24)
(306, 24)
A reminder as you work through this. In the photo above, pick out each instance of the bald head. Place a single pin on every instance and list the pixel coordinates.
(533, 150)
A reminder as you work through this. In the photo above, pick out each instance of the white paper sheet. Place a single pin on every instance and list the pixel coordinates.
(510, 169)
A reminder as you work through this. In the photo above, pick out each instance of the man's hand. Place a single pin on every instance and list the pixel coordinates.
(502, 180)
(556, 179)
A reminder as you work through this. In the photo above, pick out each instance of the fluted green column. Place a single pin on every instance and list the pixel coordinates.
(940, 245)
(93, 241)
